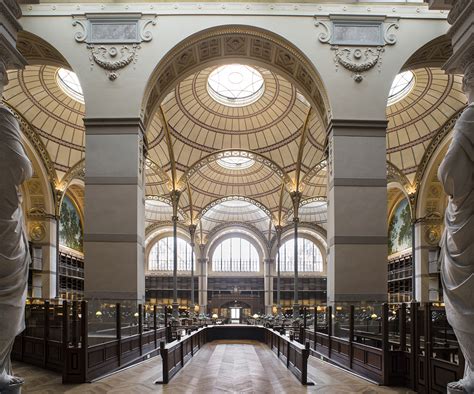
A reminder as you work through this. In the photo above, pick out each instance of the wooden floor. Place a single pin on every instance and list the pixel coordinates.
(219, 367)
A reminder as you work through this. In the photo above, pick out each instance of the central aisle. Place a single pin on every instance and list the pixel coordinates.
(219, 367)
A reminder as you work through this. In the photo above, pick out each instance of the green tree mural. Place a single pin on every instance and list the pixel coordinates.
(399, 228)
(70, 226)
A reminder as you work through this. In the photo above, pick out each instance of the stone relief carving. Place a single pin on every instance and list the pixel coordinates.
(112, 43)
(359, 54)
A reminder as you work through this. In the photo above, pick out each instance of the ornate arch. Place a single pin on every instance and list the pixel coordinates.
(37, 51)
(235, 43)
(233, 198)
(257, 157)
(433, 54)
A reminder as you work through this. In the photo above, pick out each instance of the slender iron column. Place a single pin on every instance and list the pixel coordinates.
(296, 197)
(278, 229)
(175, 194)
(192, 232)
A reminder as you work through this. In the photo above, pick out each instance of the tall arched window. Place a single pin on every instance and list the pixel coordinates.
(235, 255)
(161, 255)
(309, 256)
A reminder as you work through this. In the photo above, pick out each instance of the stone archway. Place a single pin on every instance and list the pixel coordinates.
(235, 43)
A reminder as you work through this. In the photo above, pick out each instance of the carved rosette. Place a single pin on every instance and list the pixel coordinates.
(113, 43)
(358, 55)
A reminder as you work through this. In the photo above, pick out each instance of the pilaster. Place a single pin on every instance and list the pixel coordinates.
(114, 209)
(357, 210)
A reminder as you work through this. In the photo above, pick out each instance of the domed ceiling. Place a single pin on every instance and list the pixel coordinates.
(414, 120)
(54, 116)
(221, 152)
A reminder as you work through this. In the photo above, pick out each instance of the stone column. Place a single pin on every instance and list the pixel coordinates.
(278, 230)
(192, 232)
(114, 209)
(357, 211)
(268, 285)
(296, 198)
(202, 261)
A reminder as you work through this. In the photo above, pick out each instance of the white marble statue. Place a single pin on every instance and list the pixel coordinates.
(15, 168)
(456, 173)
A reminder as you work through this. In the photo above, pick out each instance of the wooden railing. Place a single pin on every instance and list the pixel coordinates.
(291, 352)
(177, 353)
(406, 358)
(70, 352)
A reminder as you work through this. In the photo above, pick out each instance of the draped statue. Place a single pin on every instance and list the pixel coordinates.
(15, 168)
(456, 173)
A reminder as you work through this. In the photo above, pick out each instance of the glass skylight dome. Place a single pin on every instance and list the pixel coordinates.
(235, 162)
(69, 83)
(401, 86)
(235, 85)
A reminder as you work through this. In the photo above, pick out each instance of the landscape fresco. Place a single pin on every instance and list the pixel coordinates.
(70, 226)
(399, 228)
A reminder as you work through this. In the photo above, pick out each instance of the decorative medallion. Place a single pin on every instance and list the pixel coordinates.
(37, 232)
(433, 234)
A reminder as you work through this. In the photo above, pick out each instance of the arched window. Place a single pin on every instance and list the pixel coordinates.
(161, 255)
(309, 256)
(235, 255)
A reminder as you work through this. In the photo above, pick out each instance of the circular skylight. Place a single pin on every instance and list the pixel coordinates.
(401, 86)
(235, 204)
(235, 162)
(235, 85)
(69, 83)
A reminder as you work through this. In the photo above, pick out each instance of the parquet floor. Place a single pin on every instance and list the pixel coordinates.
(219, 367)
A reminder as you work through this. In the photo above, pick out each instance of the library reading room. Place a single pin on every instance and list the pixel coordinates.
(237, 196)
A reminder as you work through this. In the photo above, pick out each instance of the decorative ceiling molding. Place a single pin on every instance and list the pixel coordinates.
(234, 198)
(258, 158)
(314, 171)
(433, 146)
(37, 51)
(303, 203)
(167, 200)
(433, 54)
(395, 175)
(78, 171)
(30, 133)
(235, 42)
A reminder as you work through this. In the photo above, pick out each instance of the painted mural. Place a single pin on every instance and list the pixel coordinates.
(70, 226)
(399, 228)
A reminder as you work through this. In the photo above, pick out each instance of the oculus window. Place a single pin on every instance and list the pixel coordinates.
(161, 255)
(401, 86)
(309, 256)
(235, 255)
(69, 84)
(235, 163)
(235, 85)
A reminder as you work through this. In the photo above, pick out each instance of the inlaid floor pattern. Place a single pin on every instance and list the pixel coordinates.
(219, 367)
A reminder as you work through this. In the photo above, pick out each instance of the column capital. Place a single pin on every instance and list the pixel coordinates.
(174, 196)
(105, 126)
(295, 199)
(357, 127)
(192, 232)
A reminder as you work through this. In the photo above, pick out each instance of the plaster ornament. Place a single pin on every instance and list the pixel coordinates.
(15, 168)
(37, 232)
(456, 174)
(112, 59)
